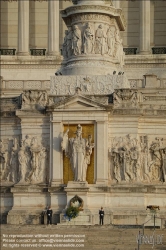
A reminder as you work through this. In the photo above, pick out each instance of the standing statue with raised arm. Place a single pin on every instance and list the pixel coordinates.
(79, 150)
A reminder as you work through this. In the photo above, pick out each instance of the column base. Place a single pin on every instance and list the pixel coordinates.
(145, 52)
(23, 54)
(55, 183)
(53, 53)
(101, 182)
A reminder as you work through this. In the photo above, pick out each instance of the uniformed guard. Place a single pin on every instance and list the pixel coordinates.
(101, 216)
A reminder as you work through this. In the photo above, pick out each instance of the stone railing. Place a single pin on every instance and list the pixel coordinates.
(130, 51)
(38, 52)
(7, 52)
(33, 52)
(159, 50)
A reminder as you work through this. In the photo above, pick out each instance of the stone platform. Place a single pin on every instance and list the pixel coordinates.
(87, 237)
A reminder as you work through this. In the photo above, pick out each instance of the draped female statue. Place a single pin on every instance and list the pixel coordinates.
(78, 150)
(88, 40)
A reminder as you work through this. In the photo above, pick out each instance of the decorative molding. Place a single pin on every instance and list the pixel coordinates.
(10, 1)
(16, 84)
(89, 85)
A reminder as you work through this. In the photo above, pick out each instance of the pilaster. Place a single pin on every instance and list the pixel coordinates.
(56, 171)
(102, 153)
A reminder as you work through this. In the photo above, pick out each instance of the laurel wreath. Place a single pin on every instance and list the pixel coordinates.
(71, 212)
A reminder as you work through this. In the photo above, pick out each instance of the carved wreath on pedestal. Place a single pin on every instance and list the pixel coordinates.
(76, 201)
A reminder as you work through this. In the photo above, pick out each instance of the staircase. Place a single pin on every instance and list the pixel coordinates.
(87, 237)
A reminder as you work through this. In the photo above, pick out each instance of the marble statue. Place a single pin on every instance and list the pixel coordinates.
(64, 47)
(156, 165)
(111, 40)
(26, 97)
(34, 97)
(22, 159)
(79, 150)
(69, 42)
(100, 41)
(119, 53)
(88, 40)
(43, 165)
(76, 40)
(35, 149)
(14, 162)
(3, 161)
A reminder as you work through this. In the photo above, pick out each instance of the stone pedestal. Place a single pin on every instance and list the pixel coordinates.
(77, 188)
(84, 218)
(29, 203)
(92, 43)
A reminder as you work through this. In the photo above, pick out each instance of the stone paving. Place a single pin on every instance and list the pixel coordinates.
(78, 237)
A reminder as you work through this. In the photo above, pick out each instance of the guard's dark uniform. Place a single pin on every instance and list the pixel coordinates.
(101, 216)
(49, 216)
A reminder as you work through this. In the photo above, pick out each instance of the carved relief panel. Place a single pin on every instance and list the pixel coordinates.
(9, 159)
(87, 36)
(24, 162)
(33, 158)
(138, 160)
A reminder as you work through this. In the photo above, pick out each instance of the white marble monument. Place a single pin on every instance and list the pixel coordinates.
(89, 133)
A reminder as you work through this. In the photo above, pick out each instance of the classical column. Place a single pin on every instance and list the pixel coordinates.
(152, 42)
(53, 27)
(116, 3)
(23, 28)
(145, 27)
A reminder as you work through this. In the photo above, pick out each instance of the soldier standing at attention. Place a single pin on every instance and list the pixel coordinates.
(101, 215)
(49, 216)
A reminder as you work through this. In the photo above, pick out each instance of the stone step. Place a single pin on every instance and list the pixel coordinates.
(96, 237)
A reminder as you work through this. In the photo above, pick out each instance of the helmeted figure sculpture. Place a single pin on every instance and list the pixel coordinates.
(79, 150)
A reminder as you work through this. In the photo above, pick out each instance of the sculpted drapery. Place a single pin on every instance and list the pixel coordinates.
(78, 150)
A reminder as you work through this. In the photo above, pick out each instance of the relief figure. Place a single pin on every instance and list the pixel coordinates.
(88, 40)
(69, 42)
(76, 40)
(100, 41)
(111, 40)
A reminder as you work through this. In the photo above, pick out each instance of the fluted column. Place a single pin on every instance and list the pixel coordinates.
(53, 27)
(116, 3)
(23, 28)
(152, 42)
(145, 27)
